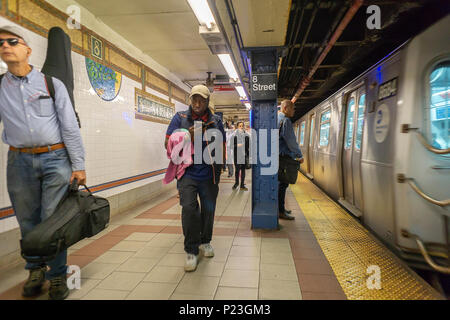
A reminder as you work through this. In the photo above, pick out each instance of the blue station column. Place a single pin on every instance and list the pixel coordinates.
(264, 93)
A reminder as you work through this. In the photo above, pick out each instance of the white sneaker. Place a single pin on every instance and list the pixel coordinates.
(207, 249)
(191, 262)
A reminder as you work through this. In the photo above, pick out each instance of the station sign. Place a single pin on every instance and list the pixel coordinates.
(264, 86)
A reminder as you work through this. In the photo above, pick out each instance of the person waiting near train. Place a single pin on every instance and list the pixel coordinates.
(241, 147)
(288, 146)
(46, 152)
(229, 133)
(200, 179)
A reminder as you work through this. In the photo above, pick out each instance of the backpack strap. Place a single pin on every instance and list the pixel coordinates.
(1, 78)
(50, 87)
(51, 91)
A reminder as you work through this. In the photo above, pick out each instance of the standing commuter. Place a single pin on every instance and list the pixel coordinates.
(46, 151)
(288, 147)
(229, 132)
(200, 179)
(241, 143)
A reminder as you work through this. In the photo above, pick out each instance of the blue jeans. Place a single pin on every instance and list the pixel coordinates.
(36, 184)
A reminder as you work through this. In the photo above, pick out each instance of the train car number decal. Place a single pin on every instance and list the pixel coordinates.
(387, 89)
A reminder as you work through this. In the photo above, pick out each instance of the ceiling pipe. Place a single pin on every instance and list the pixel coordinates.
(294, 35)
(237, 33)
(345, 21)
(305, 38)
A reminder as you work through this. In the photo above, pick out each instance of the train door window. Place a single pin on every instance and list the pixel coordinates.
(325, 120)
(349, 124)
(302, 133)
(360, 120)
(311, 131)
(438, 106)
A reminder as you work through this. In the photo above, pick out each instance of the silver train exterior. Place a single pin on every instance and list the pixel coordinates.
(380, 147)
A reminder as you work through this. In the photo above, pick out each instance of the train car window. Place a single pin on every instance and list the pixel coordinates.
(439, 105)
(359, 128)
(311, 131)
(302, 133)
(349, 124)
(324, 128)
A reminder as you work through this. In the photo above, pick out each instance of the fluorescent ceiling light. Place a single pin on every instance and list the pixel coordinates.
(241, 92)
(229, 66)
(248, 106)
(202, 12)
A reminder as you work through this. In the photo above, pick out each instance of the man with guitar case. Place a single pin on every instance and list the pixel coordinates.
(46, 150)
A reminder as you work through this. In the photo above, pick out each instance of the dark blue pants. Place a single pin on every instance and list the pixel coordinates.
(197, 221)
(282, 187)
(36, 184)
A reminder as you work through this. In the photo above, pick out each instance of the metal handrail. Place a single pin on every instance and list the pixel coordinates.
(430, 147)
(424, 252)
(442, 203)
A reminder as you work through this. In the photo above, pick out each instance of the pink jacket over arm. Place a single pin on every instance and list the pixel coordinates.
(179, 150)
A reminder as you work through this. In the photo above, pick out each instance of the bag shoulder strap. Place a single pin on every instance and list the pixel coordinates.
(50, 87)
(1, 78)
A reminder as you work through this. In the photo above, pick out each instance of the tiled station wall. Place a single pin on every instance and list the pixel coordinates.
(125, 157)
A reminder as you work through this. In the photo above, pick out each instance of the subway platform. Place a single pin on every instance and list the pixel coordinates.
(321, 255)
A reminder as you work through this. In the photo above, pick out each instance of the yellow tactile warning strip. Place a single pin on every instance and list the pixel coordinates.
(351, 250)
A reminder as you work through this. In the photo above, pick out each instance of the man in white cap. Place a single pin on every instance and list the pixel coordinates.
(199, 179)
(46, 151)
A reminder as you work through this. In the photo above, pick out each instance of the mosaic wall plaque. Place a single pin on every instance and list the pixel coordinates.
(105, 81)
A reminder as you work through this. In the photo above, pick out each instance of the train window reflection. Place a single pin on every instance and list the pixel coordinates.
(302, 133)
(439, 106)
(360, 123)
(349, 124)
(324, 128)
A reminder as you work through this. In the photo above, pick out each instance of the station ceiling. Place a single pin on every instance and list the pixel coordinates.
(167, 30)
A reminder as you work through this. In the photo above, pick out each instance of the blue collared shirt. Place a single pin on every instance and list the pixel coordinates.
(288, 142)
(31, 119)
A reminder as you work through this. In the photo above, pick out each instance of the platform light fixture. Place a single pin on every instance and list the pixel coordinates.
(229, 66)
(203, 12)
(241, 91)
(248, 106)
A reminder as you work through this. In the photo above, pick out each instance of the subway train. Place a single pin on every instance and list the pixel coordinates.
(380, 147)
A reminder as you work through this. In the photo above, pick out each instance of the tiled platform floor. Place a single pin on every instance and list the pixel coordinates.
(140, 256)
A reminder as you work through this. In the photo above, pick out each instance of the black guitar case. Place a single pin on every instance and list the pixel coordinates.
(58, 62)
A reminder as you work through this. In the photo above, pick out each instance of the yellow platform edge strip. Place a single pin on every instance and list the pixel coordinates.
(351, 250)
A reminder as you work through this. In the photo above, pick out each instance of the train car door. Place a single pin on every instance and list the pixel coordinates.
(311, 147)
(351, 155)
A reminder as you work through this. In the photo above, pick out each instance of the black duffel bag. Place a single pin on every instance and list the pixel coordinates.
(288, 169)
(78, 215)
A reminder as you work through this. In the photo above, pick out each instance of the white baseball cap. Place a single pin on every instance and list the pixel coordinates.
(200, 90)
(15, 31)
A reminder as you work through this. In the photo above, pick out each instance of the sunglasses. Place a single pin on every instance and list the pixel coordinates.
(11, 41)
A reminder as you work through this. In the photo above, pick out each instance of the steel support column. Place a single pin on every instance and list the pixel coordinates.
(264, 118)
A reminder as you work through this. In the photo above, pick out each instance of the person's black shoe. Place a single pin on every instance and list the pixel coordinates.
(229, 176)
(36, 279)
(244, 188)
(235, 186)
(285, 216)
(58, 288)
